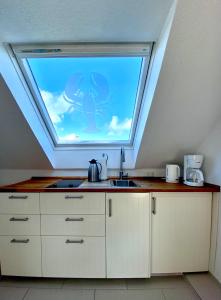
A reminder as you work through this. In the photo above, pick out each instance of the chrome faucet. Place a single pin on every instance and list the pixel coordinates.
(122, 160)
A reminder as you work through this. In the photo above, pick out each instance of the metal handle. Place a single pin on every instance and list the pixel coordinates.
(20, 241)
(100, 168)
(18, 197)
(178, 171)
(110, 208)
(74, 241)
(18, 219)
(74, 197)
(74, 219)
(154, 205)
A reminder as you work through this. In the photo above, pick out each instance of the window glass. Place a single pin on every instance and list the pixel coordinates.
(88, 99)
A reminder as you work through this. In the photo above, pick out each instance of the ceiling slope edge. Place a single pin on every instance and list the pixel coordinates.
(154, 73)
(24, 101)
(187, 97)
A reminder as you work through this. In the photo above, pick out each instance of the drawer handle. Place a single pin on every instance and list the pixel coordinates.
(20, 241)
(74, 241)
(74, 219)
(18, 219)
(74, 197)
(18, 197)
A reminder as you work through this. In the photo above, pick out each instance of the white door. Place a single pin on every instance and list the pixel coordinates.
(128, 235)
(181, 232)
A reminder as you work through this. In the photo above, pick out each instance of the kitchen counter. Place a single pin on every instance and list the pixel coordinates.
(146, 185)
(85, 232)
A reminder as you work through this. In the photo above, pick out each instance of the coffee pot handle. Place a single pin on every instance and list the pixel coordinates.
(100, 168)
(178, 171)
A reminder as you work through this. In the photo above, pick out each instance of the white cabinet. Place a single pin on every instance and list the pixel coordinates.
(20, 242)
(73, 235)
(20, 255)
(12, 224)
(19, 203)
(78, 225)
(128, 235)
(75, 257)
(72, 203)
(181, 232)
(82, 235)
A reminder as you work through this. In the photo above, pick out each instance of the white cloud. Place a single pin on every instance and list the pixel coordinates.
(117, 128)
(56, 105)
(68, 138)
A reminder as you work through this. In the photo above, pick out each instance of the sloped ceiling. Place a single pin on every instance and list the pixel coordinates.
(68, 20)
(18, 147)
(187, 101)
(82, 20)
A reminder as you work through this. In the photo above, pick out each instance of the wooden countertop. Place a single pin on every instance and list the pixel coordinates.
(39, 184)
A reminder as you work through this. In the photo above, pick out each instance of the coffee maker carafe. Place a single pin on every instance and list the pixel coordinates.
(192, 174)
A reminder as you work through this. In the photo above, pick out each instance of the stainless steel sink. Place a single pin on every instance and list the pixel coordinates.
(66, 183)
(124, 183)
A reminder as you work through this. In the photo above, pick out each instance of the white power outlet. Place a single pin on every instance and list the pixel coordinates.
(150, 173)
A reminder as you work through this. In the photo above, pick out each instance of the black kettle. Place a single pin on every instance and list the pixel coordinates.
(93, 171)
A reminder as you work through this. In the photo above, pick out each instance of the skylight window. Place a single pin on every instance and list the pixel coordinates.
(87, 94)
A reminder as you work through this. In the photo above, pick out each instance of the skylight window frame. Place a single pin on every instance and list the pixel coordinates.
(23, 52)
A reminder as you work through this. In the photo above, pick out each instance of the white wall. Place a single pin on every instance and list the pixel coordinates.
(18, 146)
(186, 102)
(152, 79)
(10, 176)
(211, 148)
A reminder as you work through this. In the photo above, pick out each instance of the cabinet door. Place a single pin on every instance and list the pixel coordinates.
(181, 232)
(73, 256)
(20, 255)
(128, 235)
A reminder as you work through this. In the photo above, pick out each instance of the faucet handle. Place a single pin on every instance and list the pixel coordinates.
(122, 153)
(125, 175)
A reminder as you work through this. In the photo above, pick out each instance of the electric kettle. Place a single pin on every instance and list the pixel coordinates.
(172, 173)
(93, 171)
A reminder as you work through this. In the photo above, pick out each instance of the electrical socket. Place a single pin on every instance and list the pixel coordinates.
(150, 173)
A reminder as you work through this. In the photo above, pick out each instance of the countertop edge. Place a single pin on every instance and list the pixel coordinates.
(152, 185)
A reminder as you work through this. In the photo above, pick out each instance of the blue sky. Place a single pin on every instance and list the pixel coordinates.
(88, 98)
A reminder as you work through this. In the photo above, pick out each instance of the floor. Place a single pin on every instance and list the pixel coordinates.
(155, 288)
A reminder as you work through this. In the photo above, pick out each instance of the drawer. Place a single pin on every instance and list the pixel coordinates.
(72, 203)
(72, 256)
(19, 203)
(86, 225)
(19, 224)
(20, 256)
